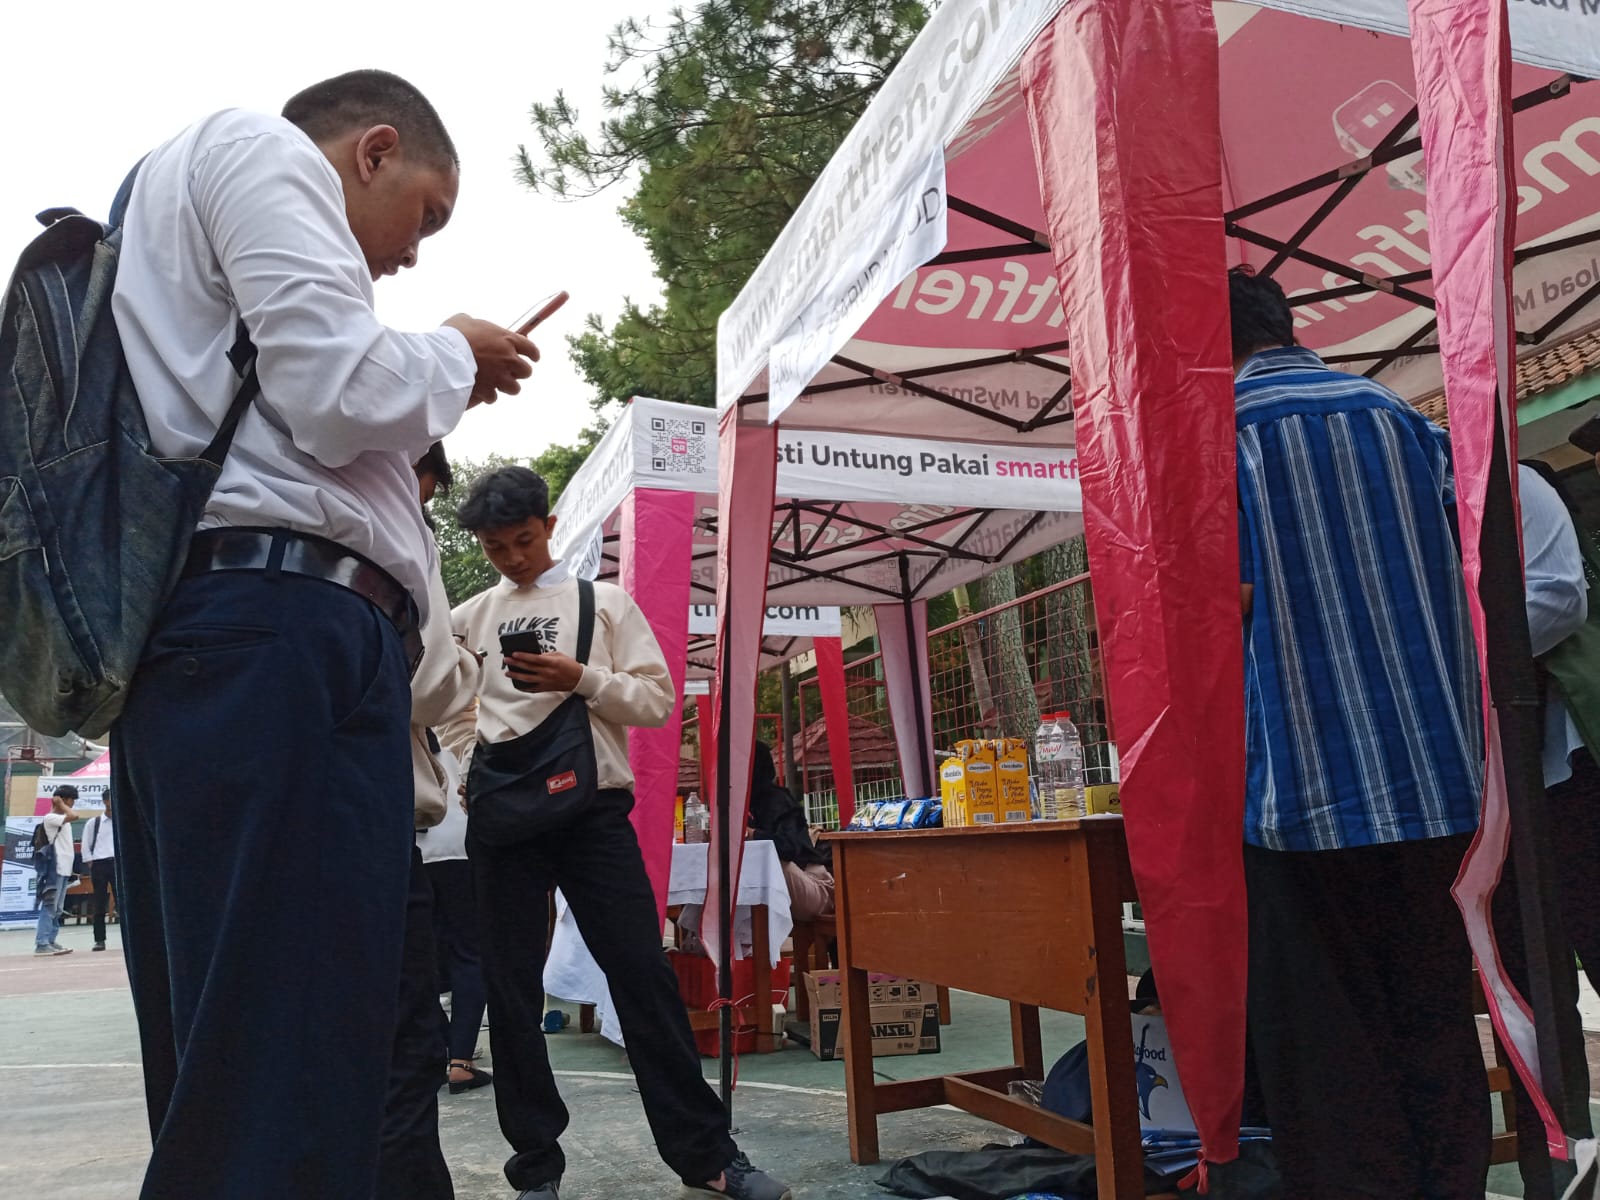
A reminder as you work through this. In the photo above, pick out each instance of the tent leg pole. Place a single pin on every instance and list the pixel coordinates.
(724, 863)
(1514, 691)
(918, 663)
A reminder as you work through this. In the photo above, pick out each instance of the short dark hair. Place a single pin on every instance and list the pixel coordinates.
(504, 496)
(362, 99)
(1259, 311)
(67, 792)
(435, 463)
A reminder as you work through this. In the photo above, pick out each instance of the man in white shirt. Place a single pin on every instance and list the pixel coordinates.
(53, 856)
(99, 850)
(265, 958)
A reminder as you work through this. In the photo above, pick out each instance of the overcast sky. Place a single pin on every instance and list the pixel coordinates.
(89, 88)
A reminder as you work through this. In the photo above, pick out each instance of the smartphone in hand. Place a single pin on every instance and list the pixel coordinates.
(539, 313)
(526, 641)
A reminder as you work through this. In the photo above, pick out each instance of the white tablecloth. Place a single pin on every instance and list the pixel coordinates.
(571, 973)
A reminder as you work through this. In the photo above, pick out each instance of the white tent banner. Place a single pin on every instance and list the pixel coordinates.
(1563, 35)
(860, 204)
(907, 232)
(656, 444)
(782, 620)
(828, 465)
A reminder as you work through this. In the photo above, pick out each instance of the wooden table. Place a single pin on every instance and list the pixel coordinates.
(1028, 913)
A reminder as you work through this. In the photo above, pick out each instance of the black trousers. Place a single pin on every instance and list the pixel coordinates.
(264, 863)
(597, 865)
(103, 873)
(1361, 1022)
(412, 1166)
(1574, 812)
(455, 923)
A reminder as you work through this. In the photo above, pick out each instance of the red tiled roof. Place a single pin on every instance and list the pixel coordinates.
(1538, 370)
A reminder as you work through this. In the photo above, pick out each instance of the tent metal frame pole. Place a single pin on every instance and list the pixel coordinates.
(1407, 346)
(1515, 694)
(918, 665)
(1330, 265)
(1336, 197)
(1553, 90)
(724, 866)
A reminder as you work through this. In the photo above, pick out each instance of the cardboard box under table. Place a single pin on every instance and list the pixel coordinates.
(905, 1015)
(1028, 913)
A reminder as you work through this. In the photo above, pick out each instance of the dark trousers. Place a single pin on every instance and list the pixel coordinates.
(455, 925)
(597, 864)
(103, 873)
(264, 860)
(1361, 1022)
(1574, 813)
(412, 1166)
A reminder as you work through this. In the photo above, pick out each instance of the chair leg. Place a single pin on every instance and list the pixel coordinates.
(944, 1005)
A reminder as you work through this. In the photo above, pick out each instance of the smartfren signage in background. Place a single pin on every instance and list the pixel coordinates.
(783, 620)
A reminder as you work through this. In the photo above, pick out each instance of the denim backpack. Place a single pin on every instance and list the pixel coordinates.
(94, 525)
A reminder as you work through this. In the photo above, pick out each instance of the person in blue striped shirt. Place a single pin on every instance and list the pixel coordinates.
(1364, 771)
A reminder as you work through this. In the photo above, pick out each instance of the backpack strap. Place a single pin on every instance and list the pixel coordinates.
(119, 206)
(242, 354)
(585, 620)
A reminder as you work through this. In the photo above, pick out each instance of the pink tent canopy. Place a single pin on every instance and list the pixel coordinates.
(1042, 190)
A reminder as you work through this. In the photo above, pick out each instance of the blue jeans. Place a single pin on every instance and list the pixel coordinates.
(51, 904)
(264, 839)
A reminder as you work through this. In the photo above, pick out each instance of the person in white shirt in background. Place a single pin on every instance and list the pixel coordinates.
(411, 1163)
(592, 855)
(56, 878)
(1557, 606)
(265, 957)
(98, 845)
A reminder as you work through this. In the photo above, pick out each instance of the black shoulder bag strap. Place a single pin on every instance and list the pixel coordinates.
(585, 620)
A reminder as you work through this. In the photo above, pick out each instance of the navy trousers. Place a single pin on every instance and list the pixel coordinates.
(264, 836)
(597, 864)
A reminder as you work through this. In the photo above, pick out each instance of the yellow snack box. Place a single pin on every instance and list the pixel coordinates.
(983, 784)
(953, 791)
(1102, 798)
(1011, 774)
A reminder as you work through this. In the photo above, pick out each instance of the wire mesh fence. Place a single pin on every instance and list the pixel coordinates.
(992, 673)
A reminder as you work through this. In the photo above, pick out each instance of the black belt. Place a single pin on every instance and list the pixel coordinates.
(274, 550)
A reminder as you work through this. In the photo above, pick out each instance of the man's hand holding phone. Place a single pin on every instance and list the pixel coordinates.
(504, 356)
(543, 672)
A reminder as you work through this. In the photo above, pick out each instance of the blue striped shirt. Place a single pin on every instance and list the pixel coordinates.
(1361, 681)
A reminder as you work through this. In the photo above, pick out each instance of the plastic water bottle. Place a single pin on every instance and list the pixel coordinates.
(1076, 801)
(1058, 760)
(696, 820)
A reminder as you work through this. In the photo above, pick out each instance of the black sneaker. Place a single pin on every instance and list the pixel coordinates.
(741, 1181)
(545, 1191)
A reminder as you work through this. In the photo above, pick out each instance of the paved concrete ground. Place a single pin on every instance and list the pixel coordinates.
(70, 1093)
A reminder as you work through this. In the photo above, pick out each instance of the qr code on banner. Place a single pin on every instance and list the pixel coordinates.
(677, 444)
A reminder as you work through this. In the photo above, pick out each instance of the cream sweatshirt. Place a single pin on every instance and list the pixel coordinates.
(444, 684)
(626, 681)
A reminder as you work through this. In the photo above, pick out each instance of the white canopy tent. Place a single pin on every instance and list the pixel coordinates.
(1038, 172)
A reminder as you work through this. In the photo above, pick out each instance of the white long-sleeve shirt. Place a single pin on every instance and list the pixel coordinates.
(625, 682)
(242, 215)
(97, 840)
(1557, 601)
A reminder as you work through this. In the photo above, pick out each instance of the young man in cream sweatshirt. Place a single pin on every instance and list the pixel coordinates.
(594, 858)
